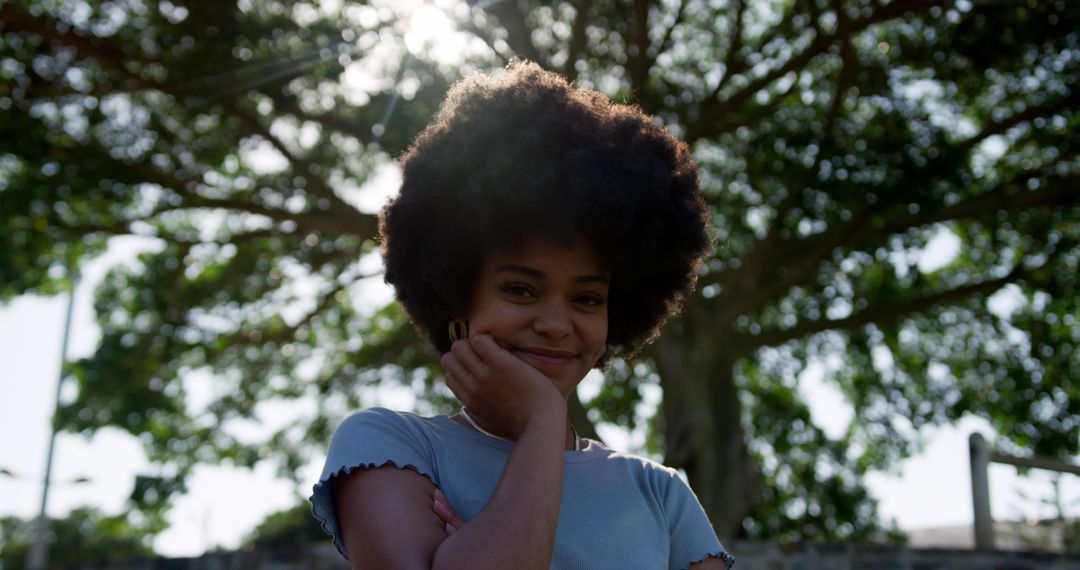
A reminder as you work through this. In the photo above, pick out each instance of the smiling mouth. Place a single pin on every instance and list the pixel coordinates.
(546, 357)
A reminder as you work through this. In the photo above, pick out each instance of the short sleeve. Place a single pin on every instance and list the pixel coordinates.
(692, 537)
(372, 438)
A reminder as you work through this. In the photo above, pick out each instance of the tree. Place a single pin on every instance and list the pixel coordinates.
(85, 537)
(287, 529)
(836, 138)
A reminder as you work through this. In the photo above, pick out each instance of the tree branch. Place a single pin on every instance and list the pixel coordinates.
(733, 63)
(578, 37)
(98, 50)
(712, 108)
(261, 304)
(327, 298)
(190, 199)
(806, 253)
(639, 52)
(308, 220)
(1056, 192)
(884, 312)
(124, 228)
(665, 42)
(1028, 114)
(484, 34)
(289, 332)
(848, 62)
(757, 289)
(329, 120)
(785, 22)
(299, 166)
(91, 47)
(518, 35)
(757, 113)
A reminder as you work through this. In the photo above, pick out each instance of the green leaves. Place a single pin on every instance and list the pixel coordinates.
(286, 529)
(85, 536)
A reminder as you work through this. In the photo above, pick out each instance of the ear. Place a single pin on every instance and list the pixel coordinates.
(458, 330)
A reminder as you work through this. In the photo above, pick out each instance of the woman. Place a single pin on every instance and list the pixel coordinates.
(540, 230)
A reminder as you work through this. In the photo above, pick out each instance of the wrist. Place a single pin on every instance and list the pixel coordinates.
(549, 417)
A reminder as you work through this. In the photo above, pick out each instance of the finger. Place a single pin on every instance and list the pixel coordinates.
(466, 356)
(446, 512)
(451, 522)
(455, 386)
(442, 511)
(456, 519)
(452, 366)
(486, 348)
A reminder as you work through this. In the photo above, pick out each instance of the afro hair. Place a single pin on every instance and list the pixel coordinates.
(523, 156)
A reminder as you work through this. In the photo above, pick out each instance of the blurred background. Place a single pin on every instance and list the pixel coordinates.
(893, 188)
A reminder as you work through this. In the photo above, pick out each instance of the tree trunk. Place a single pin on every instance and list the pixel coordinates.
(579, 418)
(703, 431)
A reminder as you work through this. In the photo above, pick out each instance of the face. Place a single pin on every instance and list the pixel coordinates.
(547, 304)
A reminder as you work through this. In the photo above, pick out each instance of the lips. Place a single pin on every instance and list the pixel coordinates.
(546, 356)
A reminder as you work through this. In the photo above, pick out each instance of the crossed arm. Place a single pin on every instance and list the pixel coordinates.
(386, 514)
(391, 518)
(387, 520)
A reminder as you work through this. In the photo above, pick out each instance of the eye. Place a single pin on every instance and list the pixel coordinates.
(517, 289)
(590, 299)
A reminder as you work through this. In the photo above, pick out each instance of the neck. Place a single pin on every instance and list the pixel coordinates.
(472, 420)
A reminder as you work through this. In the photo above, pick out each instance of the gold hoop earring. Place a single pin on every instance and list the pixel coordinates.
(458, 330)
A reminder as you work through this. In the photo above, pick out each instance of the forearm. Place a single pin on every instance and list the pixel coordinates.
(517, 527)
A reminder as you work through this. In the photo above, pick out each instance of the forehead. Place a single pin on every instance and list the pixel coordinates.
(576, 259)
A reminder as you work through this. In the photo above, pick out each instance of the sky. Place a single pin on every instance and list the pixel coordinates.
(224, 504)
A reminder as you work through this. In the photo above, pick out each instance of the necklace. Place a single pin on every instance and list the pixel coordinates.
(472, 422)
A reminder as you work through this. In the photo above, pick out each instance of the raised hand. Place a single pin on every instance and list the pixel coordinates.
(505, 393)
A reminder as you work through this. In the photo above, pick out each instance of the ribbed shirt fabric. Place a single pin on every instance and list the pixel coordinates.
(618, 510)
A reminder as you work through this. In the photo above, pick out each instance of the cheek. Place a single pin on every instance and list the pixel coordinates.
(493, 319)
(597, 335)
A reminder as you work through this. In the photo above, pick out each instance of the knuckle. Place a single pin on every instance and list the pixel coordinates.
(484, 344)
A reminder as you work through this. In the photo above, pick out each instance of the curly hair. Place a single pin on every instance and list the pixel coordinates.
(527, 156)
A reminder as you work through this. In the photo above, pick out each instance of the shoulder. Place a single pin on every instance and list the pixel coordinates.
(381, 416)
(383, 420)
(377, 436)
(643, 466)
(651, 478)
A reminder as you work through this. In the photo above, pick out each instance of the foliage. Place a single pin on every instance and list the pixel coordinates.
(86, 537)
(287, 528)
(245, 143)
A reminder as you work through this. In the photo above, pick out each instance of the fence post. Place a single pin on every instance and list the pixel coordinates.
(980, 492)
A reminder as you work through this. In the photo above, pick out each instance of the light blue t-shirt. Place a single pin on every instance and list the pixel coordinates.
(618, 511)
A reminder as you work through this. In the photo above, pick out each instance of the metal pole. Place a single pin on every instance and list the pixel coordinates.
(1036, 462)
(980, 492)
(38, 556)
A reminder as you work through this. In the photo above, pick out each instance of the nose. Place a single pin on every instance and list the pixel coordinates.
(553, 321)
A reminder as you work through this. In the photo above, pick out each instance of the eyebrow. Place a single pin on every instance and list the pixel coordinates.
(537, 274)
